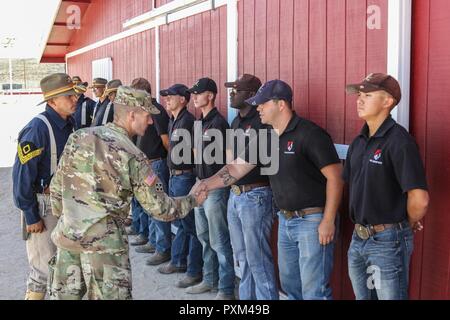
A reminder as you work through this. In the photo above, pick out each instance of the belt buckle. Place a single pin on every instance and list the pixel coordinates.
(362, 232)
(236, 190)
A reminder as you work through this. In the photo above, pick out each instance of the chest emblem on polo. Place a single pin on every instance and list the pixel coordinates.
(377, 157)
(290, 148)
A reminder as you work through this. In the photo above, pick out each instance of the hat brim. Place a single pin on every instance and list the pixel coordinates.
(71, 92)
(256, 100)
(362, 87)
(231, 84)
(168, 92)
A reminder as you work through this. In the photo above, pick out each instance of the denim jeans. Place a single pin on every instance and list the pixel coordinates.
(212, 232)
(250, 219)
(305, 265)
(140, 219)
(186, 249)
(160, 234)
(379, 266)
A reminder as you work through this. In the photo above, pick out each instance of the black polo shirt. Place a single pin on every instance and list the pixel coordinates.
(150, 143)
(185, 120)
(250, 121)
(213, 120)
(305, 148)
(380, 171)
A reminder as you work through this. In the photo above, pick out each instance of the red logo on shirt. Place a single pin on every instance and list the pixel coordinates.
(290, 145)
(377, 155)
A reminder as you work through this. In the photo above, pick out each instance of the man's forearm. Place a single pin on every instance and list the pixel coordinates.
(228, 175)
(334, 191)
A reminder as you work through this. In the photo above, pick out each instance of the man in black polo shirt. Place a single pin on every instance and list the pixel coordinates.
(307, 189)
(155, 236)
(186, 253)
(211, 217)
(250, 210)
(388, 194)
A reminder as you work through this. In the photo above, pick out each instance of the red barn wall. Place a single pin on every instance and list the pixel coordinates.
(430, 115)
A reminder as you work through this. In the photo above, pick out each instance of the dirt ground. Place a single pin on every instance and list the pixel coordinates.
(148, 283)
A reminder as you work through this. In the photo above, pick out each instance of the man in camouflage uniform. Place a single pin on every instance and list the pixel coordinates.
(99, 172)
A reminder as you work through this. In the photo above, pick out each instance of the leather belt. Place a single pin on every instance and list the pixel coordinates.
(238, 190)
(174, 172)
(365, 232)
(301, 213)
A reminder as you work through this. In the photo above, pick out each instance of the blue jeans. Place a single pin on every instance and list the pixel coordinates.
(250, 219)
(379, 266)
(305, 265)
(212, 232)
(160, 234)
(186, 249)
(140, 218)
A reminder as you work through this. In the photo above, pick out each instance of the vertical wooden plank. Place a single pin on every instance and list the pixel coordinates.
(336, 69)
(241, 39)
(335, 54)
(317, 62)
(249, 37)
(273, 39)
(215, 54)
(223, 59)
(301, 57)
(356, 61)
(376, 40)
(260, 39)
(287, 42)
(207, 43)
(435, 268)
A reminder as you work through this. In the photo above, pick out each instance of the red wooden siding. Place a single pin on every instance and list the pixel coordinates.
(193, 48)
(430, 113)
(132, 57)
(105, 18)
(317, 46)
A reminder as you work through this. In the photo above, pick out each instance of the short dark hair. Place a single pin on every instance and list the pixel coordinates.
(289, 103)
(142, 84)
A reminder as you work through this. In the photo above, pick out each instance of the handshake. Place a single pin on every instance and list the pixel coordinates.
(200, 191)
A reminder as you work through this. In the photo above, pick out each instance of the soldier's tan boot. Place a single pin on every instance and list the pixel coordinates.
(31, 295)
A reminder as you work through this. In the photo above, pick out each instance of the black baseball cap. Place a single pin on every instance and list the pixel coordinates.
(177, 90)
(274, 89)
(202, 85)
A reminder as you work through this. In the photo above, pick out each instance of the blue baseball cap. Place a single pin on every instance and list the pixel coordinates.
(274, 89)
(177, 90)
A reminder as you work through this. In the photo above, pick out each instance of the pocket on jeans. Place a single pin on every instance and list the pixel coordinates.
(409, 240)
(315, 217)
(387, 237)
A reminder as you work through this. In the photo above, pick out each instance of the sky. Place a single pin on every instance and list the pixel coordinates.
(28, 23)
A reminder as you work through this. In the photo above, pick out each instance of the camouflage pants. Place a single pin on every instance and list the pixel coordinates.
(100, 276)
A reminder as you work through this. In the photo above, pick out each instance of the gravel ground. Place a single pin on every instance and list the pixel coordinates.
(148, 283)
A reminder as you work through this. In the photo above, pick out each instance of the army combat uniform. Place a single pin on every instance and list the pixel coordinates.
(99, 172)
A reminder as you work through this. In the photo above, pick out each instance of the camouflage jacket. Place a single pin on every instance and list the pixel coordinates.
(99, 172)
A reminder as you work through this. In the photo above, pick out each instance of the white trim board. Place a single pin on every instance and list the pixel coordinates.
(399, 54)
